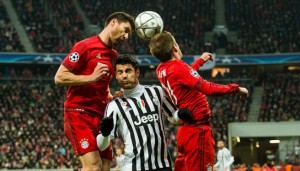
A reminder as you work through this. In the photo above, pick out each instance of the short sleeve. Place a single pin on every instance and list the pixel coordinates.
(185, 75)
(76, 57)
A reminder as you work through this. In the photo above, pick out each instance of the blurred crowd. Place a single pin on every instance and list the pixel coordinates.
(10, 41)
(269, 26)
(52, 26)
(280, 101)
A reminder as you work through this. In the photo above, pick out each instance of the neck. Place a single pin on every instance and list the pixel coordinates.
(104, 36)
(136, 91)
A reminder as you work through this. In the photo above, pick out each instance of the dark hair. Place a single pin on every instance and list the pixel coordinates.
(161, 46)
(127, 59)
(121, 17)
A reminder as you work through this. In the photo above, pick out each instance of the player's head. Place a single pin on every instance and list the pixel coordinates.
(164, 47)
(120, 25)
(221, 144)
(127, 71)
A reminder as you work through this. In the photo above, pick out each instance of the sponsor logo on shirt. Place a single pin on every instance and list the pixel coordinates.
(150, 118)
(194, 73)
(74, 57)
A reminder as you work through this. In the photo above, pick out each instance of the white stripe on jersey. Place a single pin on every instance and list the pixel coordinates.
(138, 120)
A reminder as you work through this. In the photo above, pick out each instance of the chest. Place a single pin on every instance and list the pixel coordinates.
(107, 57)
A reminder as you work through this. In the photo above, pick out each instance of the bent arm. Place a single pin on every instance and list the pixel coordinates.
(66, 78)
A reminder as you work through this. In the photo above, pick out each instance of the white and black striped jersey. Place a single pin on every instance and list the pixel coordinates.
(138, 121)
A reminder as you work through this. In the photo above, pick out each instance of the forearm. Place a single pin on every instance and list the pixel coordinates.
(197, 64)
(72, 80)
(213, 89)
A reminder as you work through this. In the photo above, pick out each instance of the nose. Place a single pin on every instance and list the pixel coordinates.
(124, 75)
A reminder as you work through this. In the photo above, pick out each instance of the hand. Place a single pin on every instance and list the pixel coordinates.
(99, 71)
(117, 94)
(243, 92)
(106, 125)
(185, 114)
(207, 56)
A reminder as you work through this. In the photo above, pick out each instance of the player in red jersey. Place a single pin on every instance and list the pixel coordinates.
(88, 70)
(188, 89)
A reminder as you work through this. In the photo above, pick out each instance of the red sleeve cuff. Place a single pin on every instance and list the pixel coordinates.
(234, 88)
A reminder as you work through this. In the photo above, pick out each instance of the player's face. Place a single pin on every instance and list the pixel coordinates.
(120, 32)
(177, 49)
(127, 76)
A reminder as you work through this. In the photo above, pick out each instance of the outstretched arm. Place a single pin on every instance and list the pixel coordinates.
(200, 61)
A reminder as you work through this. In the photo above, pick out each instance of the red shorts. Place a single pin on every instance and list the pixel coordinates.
(196, 149)
(81, 129)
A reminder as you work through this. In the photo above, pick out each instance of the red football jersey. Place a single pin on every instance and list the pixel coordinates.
(187, 88)
(82, 60)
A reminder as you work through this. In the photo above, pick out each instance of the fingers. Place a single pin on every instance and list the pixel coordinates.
(102, 69)
(207, 56)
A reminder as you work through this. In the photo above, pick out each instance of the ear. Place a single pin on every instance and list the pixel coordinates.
(113, 22)
(137, 72)
(175, 48)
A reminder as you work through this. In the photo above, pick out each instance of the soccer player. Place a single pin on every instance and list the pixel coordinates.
(224, 158)
(88, 70)
(137, 119)
(188, 89)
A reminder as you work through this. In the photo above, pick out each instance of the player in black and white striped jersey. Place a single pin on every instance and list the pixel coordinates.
(137, 119)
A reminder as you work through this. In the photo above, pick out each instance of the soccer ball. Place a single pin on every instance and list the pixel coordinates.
(147, 24)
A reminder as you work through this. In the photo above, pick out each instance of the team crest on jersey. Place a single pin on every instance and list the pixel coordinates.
(84, 143)
(194, 73)
(209, 168)
(124, 103)
(74, 57)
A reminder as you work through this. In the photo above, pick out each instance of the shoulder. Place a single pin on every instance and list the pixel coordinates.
(153, 87)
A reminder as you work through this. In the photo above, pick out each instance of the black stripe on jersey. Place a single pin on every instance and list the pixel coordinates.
(155, 133)
(116, 133)
(149, 146)
(131, 131)
(162, 135)
(138, 132)
(167, 110)
(171, 103)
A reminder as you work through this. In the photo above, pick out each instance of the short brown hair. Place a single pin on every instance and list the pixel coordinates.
(161, 46)
(121, 17)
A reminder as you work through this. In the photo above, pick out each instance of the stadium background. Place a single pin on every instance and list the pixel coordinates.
(256, 44)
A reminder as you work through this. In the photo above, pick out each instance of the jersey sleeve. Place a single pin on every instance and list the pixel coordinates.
(197, 64)
(111, 109)
(76, 58)
(168, 108)
(189, 77)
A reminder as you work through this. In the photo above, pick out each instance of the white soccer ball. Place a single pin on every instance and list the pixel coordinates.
(147, 24)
